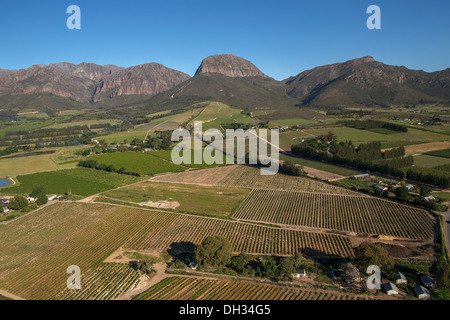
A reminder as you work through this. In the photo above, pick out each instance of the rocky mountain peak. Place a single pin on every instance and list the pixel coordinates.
(229, 65)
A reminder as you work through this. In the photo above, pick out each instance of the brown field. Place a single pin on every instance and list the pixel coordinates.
(426, 147)
(38, 248)
(250, 177)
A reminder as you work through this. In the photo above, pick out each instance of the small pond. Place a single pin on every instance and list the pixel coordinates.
(4, 183)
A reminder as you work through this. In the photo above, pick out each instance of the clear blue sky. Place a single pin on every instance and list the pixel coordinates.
(281, 37)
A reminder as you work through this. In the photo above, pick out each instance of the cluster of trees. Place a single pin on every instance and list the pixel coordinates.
(93, 164)
(40, 195)
(162, 141)
(394, 153)
(15, 149)
(373, 124)
(289, 168)
(369, 156)
(215, 252)
(431, 176)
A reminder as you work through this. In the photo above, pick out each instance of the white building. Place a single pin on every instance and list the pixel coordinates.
(299, 273)
(401, 279)
(391, 289)
(422, 293)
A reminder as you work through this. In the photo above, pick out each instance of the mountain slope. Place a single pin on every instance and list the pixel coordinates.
(365, 81)
(147, 79)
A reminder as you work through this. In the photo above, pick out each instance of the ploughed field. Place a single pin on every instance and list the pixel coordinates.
(193, 288)
(368, 215)
(250, 177)
(38, 248)
(296, 201)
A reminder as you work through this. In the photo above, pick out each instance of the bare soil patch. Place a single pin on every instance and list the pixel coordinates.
(161, 204)
(316, 173)
(426, 147)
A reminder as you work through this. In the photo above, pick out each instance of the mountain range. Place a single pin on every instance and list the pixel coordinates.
(226, 78)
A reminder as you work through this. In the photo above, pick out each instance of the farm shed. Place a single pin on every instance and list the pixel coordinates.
(390, 289)
(401, 279)
(427, 281)
(422, 293)
(299, 273)
(430, 198)
(361, 176)
(193, 265)
(409, 186)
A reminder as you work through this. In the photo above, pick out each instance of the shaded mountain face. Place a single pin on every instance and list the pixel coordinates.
(229, 65)
(242, 92)
(365, 81)
(147, 79)
(89, 82)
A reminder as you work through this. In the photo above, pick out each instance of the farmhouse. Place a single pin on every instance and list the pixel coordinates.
(390, 289)
(409, 186)
(361, 176)
(299, 273)
(401, 279)
(422, 293)
(427, 281)
(380, 188)
(193, 265)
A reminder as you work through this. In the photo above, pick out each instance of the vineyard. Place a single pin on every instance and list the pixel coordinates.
(106, 282)
(358, 214)
(192, 288)
(37, 249)
(250, 177)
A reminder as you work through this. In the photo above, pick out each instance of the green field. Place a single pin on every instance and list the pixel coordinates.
(137, 162)
(63, 158)
(292, 122)
(84, 123)
(427, 161)
(320, 165)
(215, 114)
(202, 200)
(358, 135)
(439, 153)
(170, 122)
(119, 137)
(80, 181)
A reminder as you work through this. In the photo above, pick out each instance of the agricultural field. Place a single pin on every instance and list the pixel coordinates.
(123, 136)
(429, 161)
(250, 177)
(138, 162)
(107, 281)
(63, 157)
(193, 288)
(440, 153)
(360, 136)
(169, 122)
(215, 114)
(79, 181)
(84, 123)
(202, 200)
(367, 215)
(334, 169)
(291, 122)
(38, 248)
